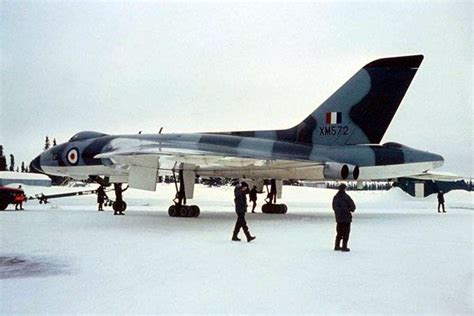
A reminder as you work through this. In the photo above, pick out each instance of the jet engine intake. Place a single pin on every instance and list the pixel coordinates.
(337, 171)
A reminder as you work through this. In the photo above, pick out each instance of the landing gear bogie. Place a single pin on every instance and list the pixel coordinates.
(274, 208)
(184, 211)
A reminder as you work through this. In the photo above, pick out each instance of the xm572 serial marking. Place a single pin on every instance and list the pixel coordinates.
(334, 130)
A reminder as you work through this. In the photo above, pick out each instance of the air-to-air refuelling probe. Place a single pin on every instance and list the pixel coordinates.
(340, 140)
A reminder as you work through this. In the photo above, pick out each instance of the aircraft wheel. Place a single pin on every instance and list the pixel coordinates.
(184, 211)
(172, 211)
(276, 209)
(119, 206)
(265, 208)
(285, 208)
(196, 210)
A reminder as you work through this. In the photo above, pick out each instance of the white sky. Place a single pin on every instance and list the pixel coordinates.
(123, 67)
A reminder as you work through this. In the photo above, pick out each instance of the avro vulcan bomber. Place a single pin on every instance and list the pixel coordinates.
(340, 140)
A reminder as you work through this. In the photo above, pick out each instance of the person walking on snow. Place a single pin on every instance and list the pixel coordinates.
(343, 206)
(241, 208)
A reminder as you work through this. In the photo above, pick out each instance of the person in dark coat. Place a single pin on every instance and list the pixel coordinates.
(240, 200)
(101, 196)
(343, 206)
(441, 201)
(253, 198)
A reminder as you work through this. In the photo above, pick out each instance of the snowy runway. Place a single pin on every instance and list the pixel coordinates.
(405, 257)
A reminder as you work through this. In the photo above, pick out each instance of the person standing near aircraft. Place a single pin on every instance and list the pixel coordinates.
(101, 196)
(240, 200)
(253, 198)
(343, 206)
(19, 199)
(441, 201)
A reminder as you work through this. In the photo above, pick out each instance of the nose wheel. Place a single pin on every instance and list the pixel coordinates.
(119, 207)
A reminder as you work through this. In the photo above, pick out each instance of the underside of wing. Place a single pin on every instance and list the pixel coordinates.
(255, 160)
(436, 176)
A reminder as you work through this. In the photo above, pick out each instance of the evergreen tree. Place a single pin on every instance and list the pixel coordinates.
(12, 162)
(17, 169)
(23, 169)
(3, 160)
(46, 143)
(54, 142)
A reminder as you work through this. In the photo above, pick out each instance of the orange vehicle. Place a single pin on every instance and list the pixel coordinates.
(10, 196)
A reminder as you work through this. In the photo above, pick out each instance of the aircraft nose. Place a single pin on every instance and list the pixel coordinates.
(35, 165)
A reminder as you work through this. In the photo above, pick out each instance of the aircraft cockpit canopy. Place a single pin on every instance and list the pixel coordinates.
(86, 135)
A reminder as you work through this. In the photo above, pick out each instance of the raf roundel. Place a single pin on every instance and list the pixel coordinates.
(73, 156)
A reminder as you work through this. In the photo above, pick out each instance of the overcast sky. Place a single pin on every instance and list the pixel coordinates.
(123, 67)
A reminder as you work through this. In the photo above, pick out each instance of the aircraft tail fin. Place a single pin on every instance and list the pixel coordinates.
(361, 110)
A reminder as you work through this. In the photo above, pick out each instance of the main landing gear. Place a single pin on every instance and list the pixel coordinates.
(180, 209)
(271, 207)
(119, 206)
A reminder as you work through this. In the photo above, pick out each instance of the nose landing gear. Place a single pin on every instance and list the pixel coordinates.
(119, 205)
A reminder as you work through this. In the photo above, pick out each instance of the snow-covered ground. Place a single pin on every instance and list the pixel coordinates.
(65, 257)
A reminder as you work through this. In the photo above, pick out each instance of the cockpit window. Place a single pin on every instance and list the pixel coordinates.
(86, 135)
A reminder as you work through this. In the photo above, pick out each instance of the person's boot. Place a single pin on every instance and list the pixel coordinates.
(337, 244)
(234, 236)
(344, 246)
(249, 237)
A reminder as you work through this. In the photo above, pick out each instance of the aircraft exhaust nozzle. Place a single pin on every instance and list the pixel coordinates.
(336, 171)
(355, 173)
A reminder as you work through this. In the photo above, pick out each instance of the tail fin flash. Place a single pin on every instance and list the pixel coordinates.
(361, 110)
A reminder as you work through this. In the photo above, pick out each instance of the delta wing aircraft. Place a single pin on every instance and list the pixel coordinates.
(340, 140)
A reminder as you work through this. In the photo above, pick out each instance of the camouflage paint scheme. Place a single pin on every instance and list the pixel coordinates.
(345, 130)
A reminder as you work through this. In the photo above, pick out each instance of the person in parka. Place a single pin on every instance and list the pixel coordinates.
(441, 202)
(253, 198)
(343, 206)
(240, 200)
(101, 197)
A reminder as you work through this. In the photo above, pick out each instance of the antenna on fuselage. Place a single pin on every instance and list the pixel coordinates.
(161, 128)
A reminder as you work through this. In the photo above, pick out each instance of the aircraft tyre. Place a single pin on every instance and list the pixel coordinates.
(119, 206)
(172, 211)
(195, 210)
(184, 211)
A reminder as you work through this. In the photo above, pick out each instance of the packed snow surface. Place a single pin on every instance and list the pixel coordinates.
(65, 257)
